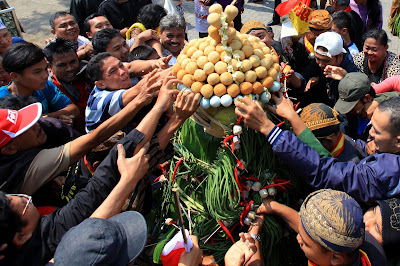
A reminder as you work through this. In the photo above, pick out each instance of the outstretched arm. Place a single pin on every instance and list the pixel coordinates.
(131, 170)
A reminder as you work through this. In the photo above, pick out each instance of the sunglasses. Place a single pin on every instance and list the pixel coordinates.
(27, 197)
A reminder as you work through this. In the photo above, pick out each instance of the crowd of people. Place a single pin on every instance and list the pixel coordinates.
(86, 119)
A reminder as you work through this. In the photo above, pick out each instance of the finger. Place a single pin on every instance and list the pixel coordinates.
(271, 109)
(195, 240)
(121, 152)
(196, 101)
(143, 150)
(239, 112)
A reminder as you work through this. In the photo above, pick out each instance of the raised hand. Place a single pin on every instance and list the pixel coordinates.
(253, 115)
(133, 169)
(186, 104)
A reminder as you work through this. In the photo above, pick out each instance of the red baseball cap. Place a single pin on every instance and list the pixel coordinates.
(14, 123)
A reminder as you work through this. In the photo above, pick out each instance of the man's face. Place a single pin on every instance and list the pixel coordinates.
(118, 48)
(5, 41)
(65, 66)
(32, 138)
(33, 77)
(263, 35)
(361, 108)
(173, 40)
(379, 132)
(337, 30)
(31, 216)
(373, 222)
(66, 27)
(97, 24)
(314, 33)
(311, 249)
(115, 75)
(323, 60)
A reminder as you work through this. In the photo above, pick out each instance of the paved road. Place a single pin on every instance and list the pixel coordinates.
(34, 16)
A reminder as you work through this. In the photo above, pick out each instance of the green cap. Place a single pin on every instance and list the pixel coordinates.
(352, 88)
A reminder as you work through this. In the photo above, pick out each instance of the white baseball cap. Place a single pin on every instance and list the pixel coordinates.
(330, 40)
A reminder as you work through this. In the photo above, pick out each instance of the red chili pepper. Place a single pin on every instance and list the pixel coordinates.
(239, 120)
(158, 178)
(252, 178)
(237, 181)
(245, 211)
(296, 106)
(226, 230)
(240, 164)
(226, 140)
(280, 124)
(176, 168)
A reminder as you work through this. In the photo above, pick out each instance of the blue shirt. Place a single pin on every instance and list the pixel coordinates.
(102, 104)
(51, 98)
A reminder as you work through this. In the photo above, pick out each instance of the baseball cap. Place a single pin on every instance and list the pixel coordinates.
(252, 25)
(115, 241)
(352, 88)
(330, 40)
(13, 123)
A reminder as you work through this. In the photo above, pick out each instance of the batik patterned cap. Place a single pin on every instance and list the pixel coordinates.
(390, 210)
(320, 118)
(334, 220)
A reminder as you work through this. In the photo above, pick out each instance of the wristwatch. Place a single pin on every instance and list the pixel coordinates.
(256, 237)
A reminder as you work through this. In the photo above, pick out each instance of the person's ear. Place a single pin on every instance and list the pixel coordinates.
(100, 84)
(53, 32)
(368, 98)
(89, 35)
(8, 149)
(15, 76)
(340, 58)
(345, 30)
(337, 259)
(21, 238)
(398, 141)
(95, 165)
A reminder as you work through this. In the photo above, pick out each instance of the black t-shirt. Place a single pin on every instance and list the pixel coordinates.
(51, 228)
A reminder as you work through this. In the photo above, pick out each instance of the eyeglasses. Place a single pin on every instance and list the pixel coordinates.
(29, 200)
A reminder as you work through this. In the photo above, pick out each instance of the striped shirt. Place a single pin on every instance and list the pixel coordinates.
(102, 104)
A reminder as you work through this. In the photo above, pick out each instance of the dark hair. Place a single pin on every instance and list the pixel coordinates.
(392, 107)
(342, 2)
(58, 15)
(374, 12)
(21, 56)
(10, 221)
(58, 46)
(16, 102)
(342, 19)
(102, 38)
(94, 68)
(141, 52)
(377, 34)
(86, 25)
(150, 15)
(372, 92)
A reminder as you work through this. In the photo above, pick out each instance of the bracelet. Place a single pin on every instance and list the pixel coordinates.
(256, 237)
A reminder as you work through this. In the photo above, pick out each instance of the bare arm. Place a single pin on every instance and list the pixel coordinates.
(80, 146)
(140, 67)
(150, 83)
(284, 108)
(165, 99)
(186, 104)
(290, 216)
(70, 110)
(131, 170)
